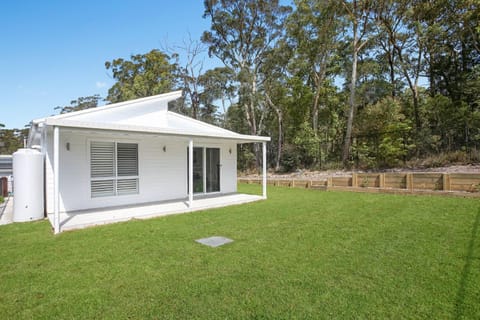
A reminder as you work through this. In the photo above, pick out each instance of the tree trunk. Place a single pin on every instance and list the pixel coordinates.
(315, 111)
(391, 64)
(195, 104)
(279, 113)
(415, 108)
(319, 77)
(280, 140)
(224, 112)
(253, 121)
(351, 112)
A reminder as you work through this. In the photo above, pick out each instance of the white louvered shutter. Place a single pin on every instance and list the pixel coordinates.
(113, 168)
(127, 159)
(127, 166)
(102, 159)
(102, 165)
(102, 188)
(127, 186)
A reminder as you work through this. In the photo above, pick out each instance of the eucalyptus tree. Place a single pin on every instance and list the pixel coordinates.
(11, 139)
(218, 86)
(410, 48)
(313, 30)
(359, 20)
(188, 71)
(452, 53)
(275, 88)
(241, 34)
(452, 41)
(81, 103)
(142, 76)
(390, 25)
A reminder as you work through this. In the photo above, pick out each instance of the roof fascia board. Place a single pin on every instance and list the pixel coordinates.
(151, 130)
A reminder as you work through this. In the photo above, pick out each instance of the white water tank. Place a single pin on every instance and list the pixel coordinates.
(28, 185)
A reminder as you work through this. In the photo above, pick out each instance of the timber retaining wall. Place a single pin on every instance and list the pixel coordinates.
(463, 184)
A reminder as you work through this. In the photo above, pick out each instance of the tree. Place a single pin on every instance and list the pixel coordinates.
(389, 26)
(359, 16)
(241, 33)
(142, 76)
(189, 73)
(313, 31)
(202, 90)
(218, 85)
(275, 88)
(382, 134)
(409, 47)
(11, 139)
(81, 103)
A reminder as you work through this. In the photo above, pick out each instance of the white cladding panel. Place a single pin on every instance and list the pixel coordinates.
(48, 149)
(228, 177)
(162, 164)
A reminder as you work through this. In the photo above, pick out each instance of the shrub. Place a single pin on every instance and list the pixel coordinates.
(442, 159)
(382, 132)
(246, 158)
(307, 144)
(290, 158)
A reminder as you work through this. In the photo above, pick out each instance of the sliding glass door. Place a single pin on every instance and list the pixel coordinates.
(206, 170)
(213, 169)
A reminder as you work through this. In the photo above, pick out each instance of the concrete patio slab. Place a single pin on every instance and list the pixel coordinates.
(86, 218)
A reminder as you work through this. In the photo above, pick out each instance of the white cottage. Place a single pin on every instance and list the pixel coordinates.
(135, 159)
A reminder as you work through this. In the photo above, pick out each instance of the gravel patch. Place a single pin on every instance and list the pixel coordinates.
(321, 175)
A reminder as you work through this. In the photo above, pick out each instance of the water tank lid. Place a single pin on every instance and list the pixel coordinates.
(26, 151)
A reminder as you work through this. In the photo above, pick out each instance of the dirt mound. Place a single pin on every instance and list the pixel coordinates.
(320, 175)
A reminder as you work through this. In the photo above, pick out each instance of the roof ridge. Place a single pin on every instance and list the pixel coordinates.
(118, 105)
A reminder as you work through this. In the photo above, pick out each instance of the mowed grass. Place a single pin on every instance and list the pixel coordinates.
(301, 254)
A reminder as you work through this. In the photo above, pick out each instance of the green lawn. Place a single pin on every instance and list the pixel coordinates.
(301, 254)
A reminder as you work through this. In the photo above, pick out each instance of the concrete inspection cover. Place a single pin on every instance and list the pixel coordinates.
(214, 241)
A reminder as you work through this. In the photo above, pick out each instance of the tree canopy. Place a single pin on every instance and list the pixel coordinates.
(81, 103)
(344, 83)
(142, 76)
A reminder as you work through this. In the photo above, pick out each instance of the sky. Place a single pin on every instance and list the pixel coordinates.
(54, 51)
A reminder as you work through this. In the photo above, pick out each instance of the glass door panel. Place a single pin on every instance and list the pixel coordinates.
(213, 169)
(197, 170)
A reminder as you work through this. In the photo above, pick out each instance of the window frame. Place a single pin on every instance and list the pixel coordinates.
(204, 148)
(115, 178)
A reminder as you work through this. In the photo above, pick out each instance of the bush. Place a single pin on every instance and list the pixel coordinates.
(246, 158)
(443, 159)
(290, 159)
(382, 132)
(307, 145)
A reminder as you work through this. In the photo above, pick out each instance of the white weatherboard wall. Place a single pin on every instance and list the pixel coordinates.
(162, 174)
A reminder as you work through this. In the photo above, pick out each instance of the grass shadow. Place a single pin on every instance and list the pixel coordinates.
(461, 293)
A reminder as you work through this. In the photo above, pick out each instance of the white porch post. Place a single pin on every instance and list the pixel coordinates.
(190, 173)
(264, 163)
(56, 181)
